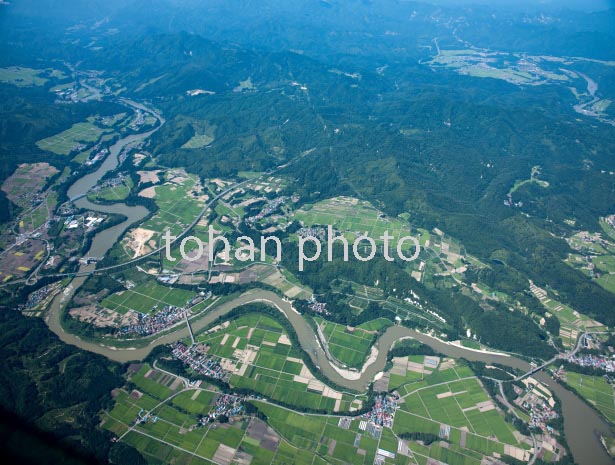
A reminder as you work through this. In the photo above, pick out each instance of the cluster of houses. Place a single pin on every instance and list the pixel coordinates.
(540, 414)
(113, 182)
(601, 362)
(268, 209)
(318, 307)
(227, 405)
(34, 198)
(197, 359)
(538, 401)
(150, 324)
(313, 231)
(383, 411)
(139, 120)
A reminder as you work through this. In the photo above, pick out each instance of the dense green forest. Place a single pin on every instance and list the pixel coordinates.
(50, 397)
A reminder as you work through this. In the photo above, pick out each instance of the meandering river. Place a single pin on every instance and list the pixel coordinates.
(580, 421)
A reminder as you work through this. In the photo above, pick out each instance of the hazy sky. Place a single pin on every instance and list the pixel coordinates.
(584, 5)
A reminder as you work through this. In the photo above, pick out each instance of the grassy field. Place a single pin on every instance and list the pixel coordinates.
(144, 297)
(276, 370)
(112, 194)
(177, 207)
(67, 141)
(26, 77)
(198, 141)
(179, 200)
(596, 390)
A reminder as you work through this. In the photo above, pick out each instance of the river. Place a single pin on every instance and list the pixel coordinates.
(580, 421)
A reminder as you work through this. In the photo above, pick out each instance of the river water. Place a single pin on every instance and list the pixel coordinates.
(580, 421)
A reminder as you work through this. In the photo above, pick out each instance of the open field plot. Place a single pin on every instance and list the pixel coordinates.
(39, 215)
(404, 373)
(286, 283)
(350, 346)
(198, 141)
(359, 291)
(595, 255)
(112, 193)
(20, 260)
(267, 184)
(376, 325)
(489, 64)
(461, 404)
(607, 281)
(28, 179)
(72, 139)
(194, 402)
(170, 433)
(352, 217)
(418, 371)
(572, 323)
(155, 383)
(261, 358)
(26, 77)
(596, 390)
(179, 199)
(147, 298)
(322, 435)
(607, 228)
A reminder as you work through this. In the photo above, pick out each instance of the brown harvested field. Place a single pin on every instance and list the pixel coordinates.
(28, 178)
(102, 317)
(149, 176)
(187, 266)
(263, 433)
(18, 261)
(148, 193)
(224, 454)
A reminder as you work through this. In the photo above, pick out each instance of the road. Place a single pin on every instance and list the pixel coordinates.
(572, 353)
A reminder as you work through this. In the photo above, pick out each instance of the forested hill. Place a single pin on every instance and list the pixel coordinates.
(444, 147)
(390, 144)
(54, 393)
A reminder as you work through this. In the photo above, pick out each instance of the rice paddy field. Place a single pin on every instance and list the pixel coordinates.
(450, 403)
(442, 403)
(171, 434)
(67, 141)
(177, 202)
(350, 346)
(147, 298)
(572, 323)
(265, 362)
(354, 217)
(322, 435)
(596, 390)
